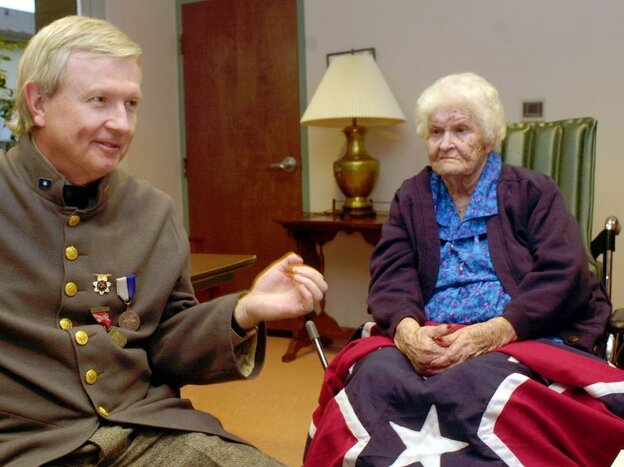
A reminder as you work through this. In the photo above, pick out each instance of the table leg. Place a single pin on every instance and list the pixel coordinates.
(310, 248)
(311, 233)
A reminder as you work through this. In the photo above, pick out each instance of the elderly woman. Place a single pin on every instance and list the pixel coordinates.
(471, 240)
(476, 254)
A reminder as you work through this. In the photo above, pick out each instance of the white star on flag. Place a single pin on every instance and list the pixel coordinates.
(425, 446)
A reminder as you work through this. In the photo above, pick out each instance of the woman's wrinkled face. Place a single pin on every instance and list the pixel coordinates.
(455, 143)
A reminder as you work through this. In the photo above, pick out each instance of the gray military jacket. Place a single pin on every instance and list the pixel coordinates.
(61, 373)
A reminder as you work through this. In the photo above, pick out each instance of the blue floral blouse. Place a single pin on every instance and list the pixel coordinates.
(467, 290)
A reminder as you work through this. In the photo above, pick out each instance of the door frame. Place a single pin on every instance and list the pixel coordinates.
(303, 99)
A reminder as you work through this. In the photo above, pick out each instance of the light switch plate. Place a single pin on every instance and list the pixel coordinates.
(533, 109)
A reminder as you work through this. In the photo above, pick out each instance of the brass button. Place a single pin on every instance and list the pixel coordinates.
(71, 289)
(73, 220)
(82, 337)
(91, 376)
(66, 323)
(103, 411)
(573, 339)
(71, 253)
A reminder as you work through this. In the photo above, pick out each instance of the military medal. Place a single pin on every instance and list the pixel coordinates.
(101, 284)
(126, 287)
(117, 336)
(102, 316)
(129, 320)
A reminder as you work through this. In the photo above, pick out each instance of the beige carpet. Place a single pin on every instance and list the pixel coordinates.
(273, 410)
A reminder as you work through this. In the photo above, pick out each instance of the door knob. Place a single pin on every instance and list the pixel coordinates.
(288, 164)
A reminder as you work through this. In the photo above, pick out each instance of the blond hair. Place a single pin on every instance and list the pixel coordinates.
(45, 57)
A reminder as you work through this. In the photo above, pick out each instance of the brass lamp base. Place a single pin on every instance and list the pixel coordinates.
(357, 207)
(356, 173)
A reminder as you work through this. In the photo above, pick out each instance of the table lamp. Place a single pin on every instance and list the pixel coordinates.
(353, 94)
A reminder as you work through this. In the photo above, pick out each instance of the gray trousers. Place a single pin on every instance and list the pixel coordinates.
(139, 446)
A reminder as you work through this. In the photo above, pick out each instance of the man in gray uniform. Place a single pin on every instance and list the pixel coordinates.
(99, 324)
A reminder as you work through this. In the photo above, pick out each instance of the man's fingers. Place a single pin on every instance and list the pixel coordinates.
(316, 287)
(308, 275)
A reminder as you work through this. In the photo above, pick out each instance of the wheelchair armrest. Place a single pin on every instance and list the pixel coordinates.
(605, 240)
(615, 324)
(614, 343)
(604, 244)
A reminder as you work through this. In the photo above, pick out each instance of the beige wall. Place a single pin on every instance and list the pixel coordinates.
(567, 52)
(155, 152)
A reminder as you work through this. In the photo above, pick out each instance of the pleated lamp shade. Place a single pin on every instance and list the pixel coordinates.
(353, 87)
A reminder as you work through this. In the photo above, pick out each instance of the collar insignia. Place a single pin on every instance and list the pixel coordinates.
(45, 183)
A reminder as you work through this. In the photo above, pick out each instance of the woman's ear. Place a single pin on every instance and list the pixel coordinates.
(35, 100)
(490, 145)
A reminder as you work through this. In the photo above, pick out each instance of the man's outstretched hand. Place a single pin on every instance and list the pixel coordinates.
(286, 289)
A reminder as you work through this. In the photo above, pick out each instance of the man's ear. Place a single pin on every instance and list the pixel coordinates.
(35, 100)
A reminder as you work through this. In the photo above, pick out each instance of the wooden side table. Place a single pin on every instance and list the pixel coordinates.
(311, 232)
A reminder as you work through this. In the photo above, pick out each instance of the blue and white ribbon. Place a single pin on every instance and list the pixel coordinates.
(126, 287)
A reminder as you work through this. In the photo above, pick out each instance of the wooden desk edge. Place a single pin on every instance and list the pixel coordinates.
(239, 262)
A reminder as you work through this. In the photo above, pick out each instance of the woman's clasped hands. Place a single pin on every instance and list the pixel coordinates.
(436, 348)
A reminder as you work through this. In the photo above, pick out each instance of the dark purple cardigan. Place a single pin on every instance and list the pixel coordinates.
(536, 249)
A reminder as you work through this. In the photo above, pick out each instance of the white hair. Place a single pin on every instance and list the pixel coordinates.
(475, 94)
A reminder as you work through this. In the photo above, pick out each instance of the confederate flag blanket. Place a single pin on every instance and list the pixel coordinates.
(530, 403)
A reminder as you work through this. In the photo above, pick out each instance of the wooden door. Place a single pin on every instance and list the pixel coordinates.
(242, 115)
